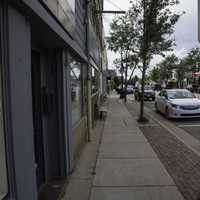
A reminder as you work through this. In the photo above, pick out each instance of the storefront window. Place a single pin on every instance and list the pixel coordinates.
(95, 80)
(3, 169)
(76, 90)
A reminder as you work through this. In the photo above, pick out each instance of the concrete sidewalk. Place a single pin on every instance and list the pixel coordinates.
(127, 167)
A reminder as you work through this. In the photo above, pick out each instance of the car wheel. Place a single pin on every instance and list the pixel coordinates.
(167, 112)
(153, 99)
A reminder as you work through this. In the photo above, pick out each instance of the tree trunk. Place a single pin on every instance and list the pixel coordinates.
(122, 83)
(125, 89)
(131, 74)
(122, 78)
(141, 117)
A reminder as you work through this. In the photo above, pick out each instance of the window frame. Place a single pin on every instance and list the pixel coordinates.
(81, 101)
(4, 97)
(97, 80)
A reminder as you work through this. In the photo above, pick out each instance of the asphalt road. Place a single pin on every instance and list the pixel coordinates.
(191, 126)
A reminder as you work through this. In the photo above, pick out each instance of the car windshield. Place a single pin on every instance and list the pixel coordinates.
(181, 94)
(129, 86)
(147, 88)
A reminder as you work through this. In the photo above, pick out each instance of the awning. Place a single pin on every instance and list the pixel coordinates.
(196, 74)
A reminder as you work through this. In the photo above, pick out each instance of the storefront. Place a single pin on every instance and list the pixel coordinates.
(44, 104)
(44, 78)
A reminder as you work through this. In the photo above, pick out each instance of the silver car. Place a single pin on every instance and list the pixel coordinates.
(177, 103)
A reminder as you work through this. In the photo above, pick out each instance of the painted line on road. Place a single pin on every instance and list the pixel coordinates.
(189, 125)
(149, 125)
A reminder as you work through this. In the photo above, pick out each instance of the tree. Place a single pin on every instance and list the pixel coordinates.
(181, 71)
(123, 39)
(193, 59)
(155, 74)
(155, 24)
(168, 66)
(191, 62)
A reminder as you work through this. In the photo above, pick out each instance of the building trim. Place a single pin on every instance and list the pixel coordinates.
(34, 9)
(6, 100)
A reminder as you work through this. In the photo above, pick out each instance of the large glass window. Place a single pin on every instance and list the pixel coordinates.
(95, 80)
(76, 89)
(3, 169)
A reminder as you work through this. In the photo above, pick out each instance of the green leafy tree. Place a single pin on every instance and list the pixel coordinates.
(181, 72)
(191, 64)
(168, 66)
(155, 74)
(123, 40)
(192, 60)
(155, 24)
(188, 65)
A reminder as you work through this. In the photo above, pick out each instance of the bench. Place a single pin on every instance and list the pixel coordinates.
(103, 111)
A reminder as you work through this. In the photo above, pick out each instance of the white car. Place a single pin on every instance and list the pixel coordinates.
(177, 103)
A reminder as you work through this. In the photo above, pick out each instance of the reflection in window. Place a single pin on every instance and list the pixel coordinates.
(95, 80)
(64, 11)
(3, 170)
(76, 90)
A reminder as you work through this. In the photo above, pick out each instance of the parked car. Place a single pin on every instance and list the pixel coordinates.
(193, 88)
(190, 88)
(157, 87)
(149, 93)
(177, 103)
(130, 89)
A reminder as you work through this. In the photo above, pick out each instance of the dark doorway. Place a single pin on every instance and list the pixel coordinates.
(37, 117)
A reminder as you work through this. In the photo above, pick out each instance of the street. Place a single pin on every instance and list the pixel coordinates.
(191, 126)
(176, 143)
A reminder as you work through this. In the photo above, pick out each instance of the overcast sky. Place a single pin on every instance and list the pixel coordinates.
(186, 33)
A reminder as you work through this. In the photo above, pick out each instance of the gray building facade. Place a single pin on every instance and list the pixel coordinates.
(52, 63)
